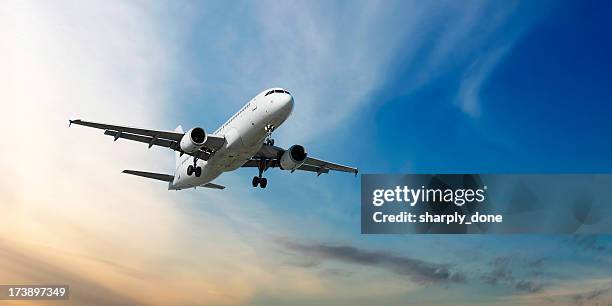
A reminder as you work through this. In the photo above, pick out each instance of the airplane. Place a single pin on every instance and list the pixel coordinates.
(245, 140)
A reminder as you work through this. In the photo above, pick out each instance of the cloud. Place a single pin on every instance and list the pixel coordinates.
(591, 291)
(481, 36)
(507, 270)
(419, 271)
(511, 271)
(585, 297)
(329, 65)
(500, 271)
(474, 78)
(588, 243)
(65, 203)
(32, 268)
(528, 285)
(334, 56)
(69, 215)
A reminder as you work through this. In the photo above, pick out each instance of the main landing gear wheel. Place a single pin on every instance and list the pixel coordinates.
(191, 170)
(259, 180)
(255, 181)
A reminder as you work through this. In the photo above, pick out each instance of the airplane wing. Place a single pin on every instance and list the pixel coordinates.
(213, 186)
(273, 153)
(151, 175)
(166, 139)
(167, 178)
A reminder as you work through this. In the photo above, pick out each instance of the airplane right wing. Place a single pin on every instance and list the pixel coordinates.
(213, 186)
(167, 178)
(166, 139)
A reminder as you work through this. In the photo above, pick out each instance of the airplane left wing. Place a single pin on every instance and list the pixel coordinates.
(166, 139)
(272, 155)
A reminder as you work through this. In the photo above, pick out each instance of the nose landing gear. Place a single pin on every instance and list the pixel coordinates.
(269, 129)
(259, 180)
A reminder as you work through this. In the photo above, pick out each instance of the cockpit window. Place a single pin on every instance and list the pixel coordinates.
(277, 91)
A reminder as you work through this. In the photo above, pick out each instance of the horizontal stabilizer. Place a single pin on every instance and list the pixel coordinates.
(213, 186)
(151, 175)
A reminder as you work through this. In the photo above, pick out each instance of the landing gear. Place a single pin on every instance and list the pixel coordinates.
(259, 180)
(269, 129)
(194, 169)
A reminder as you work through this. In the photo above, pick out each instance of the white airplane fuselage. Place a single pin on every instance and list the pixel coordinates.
(244, 132)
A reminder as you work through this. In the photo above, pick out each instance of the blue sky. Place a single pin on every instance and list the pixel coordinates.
(387, 86)
(444, 87)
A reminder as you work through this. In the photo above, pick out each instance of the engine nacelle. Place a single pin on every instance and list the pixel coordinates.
(193, 140)
(293, 158)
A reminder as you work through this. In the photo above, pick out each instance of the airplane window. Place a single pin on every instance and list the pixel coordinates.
(286, 92)
(269, 92)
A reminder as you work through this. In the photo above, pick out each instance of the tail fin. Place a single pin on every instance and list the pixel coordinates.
(177, 155)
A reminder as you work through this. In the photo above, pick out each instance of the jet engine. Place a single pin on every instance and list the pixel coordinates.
(193, 140)
(293, 158)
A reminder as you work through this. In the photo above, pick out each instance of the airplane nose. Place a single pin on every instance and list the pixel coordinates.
(285, 103)
(290, 103)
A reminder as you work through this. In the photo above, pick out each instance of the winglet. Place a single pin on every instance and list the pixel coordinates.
(356, 171)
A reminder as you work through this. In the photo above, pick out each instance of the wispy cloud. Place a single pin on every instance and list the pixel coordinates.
(333, 56)
(65, 203)
(419, 271)
(514, 271)
(474, 78)
(590, 243)
(68, 215)
(589, 296)
(511, 271)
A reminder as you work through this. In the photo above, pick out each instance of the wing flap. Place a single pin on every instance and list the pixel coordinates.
(156, 142)
(329, 165)
(311, 164)
(150, 140)
(311, 168)
(132, 130)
